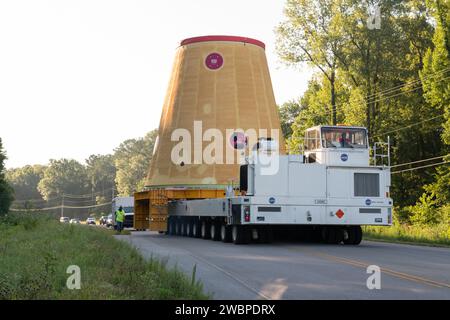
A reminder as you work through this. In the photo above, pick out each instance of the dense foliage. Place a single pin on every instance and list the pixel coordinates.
(6, 196)
(393, 79)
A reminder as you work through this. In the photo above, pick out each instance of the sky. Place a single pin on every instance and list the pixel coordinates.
(79, 77)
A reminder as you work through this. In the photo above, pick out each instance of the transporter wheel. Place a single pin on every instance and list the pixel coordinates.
(182, 228)
(359, 235)
(196, 229)
(240, 234)
(332, 235)
(188, 228)
(339, 235)
(178, 227)
(205, 230)
(171, 227)
(215, 231)
(225, 233)
(324, 234)
(265, 235)
(353, 236)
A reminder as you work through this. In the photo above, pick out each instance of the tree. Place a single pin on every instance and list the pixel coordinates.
(64, 176)
(436, 82)
(101, 173)
(288, 112)
(311, 34)
(25, 181)
(6, 196)
(132, 160)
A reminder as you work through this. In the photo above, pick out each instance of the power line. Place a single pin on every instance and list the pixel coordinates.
(421, 167)
(38, 200)
(413, 82)
(87, 195)
(408, 126)
(72, 196)
(418, 161)
(392, 95)
(370, 100)
(65, 207)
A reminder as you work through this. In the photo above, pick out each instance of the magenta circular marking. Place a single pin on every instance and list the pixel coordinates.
(238, 140)
(214, 61)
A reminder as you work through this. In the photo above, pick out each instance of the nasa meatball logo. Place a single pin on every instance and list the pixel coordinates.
(344, 157)
(368, 202)
(271, 200)
(214, 61)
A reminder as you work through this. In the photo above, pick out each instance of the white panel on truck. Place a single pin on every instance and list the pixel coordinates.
(272, 184)
(339, 182)
(307, 180)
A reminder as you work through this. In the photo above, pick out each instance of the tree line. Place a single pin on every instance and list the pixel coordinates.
(120, 173)
(393, 79)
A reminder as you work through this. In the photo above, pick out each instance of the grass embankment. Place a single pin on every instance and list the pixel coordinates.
(436, 235)
(36, 252)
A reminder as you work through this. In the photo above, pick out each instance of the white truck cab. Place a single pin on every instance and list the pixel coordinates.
(337, 145)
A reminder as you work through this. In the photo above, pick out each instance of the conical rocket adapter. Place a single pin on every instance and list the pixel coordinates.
(220, 85)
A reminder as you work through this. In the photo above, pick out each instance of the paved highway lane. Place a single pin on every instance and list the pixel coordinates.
(298, 270)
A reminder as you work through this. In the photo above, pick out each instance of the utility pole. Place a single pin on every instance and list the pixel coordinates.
(62, 206)
(112, 199)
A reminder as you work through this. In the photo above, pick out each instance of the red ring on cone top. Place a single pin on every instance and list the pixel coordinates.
(223, 38)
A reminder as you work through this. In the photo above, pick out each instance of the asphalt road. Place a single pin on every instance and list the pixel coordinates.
(298, 270)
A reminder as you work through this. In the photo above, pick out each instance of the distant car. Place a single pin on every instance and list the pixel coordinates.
(64, 219)
(110, 221)
(75, 221)
(103, 220)
(91, 220)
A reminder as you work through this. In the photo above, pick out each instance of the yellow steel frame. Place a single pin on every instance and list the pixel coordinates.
(151, 207)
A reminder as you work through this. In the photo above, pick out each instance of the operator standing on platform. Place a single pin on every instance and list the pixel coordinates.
(120, 217)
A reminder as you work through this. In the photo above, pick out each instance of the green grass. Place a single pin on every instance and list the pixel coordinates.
(437, 235)
(35, 253)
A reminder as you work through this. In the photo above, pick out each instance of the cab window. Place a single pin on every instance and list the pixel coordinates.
(312, 140)
(344, 138)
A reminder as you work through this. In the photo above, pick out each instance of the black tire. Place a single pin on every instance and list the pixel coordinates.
(358, 236)
(333, 235)
(339, 235)
(225, 233)
(240, 234)
(188, 229)
(349, 235)
(182, 228)
(265, 235)
(354, 235)
(205, 230)
(171, 228)
(178, 227)
(324, 234)
(215, 231)
(196, 229)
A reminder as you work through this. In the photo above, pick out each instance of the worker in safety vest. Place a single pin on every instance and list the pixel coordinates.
(120, 217)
